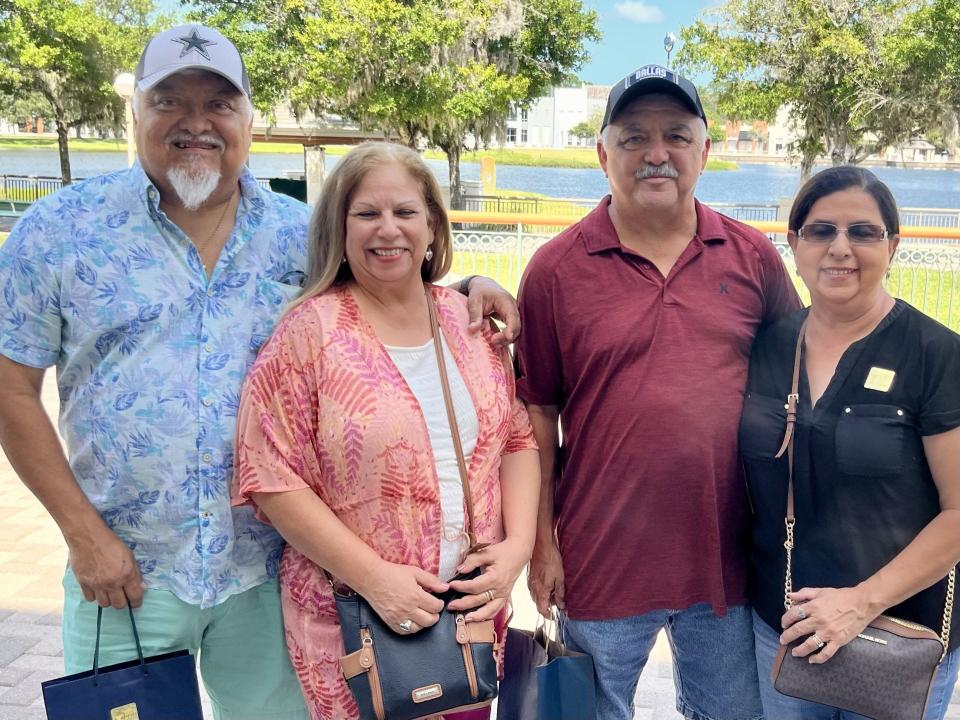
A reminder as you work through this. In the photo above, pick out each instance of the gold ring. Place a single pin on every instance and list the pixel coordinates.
(490, 595)
(820, 643)
(800, 612)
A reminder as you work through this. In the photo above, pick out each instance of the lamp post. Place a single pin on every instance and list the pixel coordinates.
(123, 85)
(668, 42)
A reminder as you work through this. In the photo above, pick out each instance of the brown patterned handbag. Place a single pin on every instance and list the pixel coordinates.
(886, 671)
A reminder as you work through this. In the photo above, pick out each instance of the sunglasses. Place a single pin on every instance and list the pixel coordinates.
(823, 233)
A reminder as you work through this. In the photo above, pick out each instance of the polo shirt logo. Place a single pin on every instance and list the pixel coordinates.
(724, 289)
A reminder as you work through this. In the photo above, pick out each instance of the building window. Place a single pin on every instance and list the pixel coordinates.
(524, 115)
(511, 135)
(523, 135)
(512, 113)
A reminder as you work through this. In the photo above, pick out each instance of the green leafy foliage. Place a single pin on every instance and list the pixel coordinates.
(58, 59)
(843, 68)
(426, 70)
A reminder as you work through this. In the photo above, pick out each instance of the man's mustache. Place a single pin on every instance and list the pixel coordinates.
(653, 171)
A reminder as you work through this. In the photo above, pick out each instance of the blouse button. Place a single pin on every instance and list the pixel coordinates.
(900, 412)
(847, 410)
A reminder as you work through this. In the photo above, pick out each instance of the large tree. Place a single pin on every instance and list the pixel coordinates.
(62, 56)
(925, 59)
(829, 61)
(434, 70)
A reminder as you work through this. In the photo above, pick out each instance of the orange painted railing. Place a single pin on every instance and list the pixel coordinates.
(464, 216)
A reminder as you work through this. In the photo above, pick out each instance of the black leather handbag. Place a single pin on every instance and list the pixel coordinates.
(447, 667)
(886, 671)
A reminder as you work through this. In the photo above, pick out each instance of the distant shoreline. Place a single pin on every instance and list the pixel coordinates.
(585, 158)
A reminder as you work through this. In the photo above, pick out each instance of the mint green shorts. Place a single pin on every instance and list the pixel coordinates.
(240, 643)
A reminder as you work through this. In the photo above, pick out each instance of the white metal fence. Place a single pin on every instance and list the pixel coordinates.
(925, 275)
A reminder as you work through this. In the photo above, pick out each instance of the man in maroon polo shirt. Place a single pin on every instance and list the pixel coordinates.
(638, 323)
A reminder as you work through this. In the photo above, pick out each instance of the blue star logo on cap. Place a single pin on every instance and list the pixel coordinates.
(193, 41)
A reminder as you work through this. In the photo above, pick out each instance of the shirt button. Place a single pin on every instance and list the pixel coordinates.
(208, 401)
(210, 292)
(900, 413)
(207, 457)
(205, 514)
(208, 348)
(847, 410)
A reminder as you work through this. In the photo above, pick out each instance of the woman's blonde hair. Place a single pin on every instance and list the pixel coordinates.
(327, 232)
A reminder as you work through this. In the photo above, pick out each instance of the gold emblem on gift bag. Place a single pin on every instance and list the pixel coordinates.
(125, 712)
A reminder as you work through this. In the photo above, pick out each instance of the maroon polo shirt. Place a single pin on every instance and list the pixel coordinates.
(649, 374)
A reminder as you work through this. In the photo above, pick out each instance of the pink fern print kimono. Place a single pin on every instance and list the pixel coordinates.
(325, 408)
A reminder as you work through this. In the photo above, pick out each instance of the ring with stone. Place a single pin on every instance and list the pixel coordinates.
(801, 613)
(406, 625)
(820, 643)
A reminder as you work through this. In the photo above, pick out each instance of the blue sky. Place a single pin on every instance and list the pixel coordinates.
(633, 32)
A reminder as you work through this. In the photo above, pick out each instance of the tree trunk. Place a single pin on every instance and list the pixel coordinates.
(453, 165)
(806, 165)
(62, 140)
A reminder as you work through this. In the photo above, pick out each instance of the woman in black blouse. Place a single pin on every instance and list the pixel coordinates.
(876, 447)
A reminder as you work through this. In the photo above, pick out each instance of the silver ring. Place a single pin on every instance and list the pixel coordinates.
(406, 626)
(801, 613)
(490, 596)
(820, 643)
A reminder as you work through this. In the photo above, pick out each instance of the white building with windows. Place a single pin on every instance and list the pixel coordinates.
(548, 121)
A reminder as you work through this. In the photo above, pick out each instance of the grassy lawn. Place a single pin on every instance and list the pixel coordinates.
(541, 157)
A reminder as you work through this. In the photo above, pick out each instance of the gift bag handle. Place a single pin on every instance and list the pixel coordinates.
(96, 647)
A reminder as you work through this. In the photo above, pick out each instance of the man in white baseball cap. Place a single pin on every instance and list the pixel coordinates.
(191, 47)
(152, 289)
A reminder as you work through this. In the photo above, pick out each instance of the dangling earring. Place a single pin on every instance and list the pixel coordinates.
(428, 255)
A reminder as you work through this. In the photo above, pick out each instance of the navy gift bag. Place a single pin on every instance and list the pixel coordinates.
(545, 680)
(162, 687)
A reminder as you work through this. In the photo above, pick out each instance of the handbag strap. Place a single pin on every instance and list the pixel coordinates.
(96, 647)
(454, 429)
(790, 519)
(452, 419)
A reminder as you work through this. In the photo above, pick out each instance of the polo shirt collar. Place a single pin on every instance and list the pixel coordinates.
(599, 234)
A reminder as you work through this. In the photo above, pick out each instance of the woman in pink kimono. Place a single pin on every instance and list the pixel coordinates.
(343, 439)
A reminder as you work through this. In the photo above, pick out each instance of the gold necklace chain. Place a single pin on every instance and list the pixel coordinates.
(226, 206)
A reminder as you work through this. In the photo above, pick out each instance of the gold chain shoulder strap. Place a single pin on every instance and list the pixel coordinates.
(790, 519)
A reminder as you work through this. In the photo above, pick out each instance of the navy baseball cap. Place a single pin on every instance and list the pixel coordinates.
(652, 79)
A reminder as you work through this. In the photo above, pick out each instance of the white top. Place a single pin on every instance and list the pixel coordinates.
(418, 365)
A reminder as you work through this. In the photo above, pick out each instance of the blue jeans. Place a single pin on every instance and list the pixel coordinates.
(783, 707)
(713, 661)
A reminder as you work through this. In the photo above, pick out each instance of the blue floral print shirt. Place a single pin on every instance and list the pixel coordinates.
(151, 356)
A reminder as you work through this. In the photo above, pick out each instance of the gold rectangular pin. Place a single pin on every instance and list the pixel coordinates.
(879, 379)
(125, 712)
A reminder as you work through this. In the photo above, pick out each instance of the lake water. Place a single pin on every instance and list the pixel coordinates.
(752, 183)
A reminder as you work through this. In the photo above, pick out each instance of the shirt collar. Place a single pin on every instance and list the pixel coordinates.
(599, 233)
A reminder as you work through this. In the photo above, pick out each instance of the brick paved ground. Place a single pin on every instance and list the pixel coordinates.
(32, 558)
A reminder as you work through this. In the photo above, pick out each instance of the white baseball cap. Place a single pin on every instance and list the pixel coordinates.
(190, 47)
